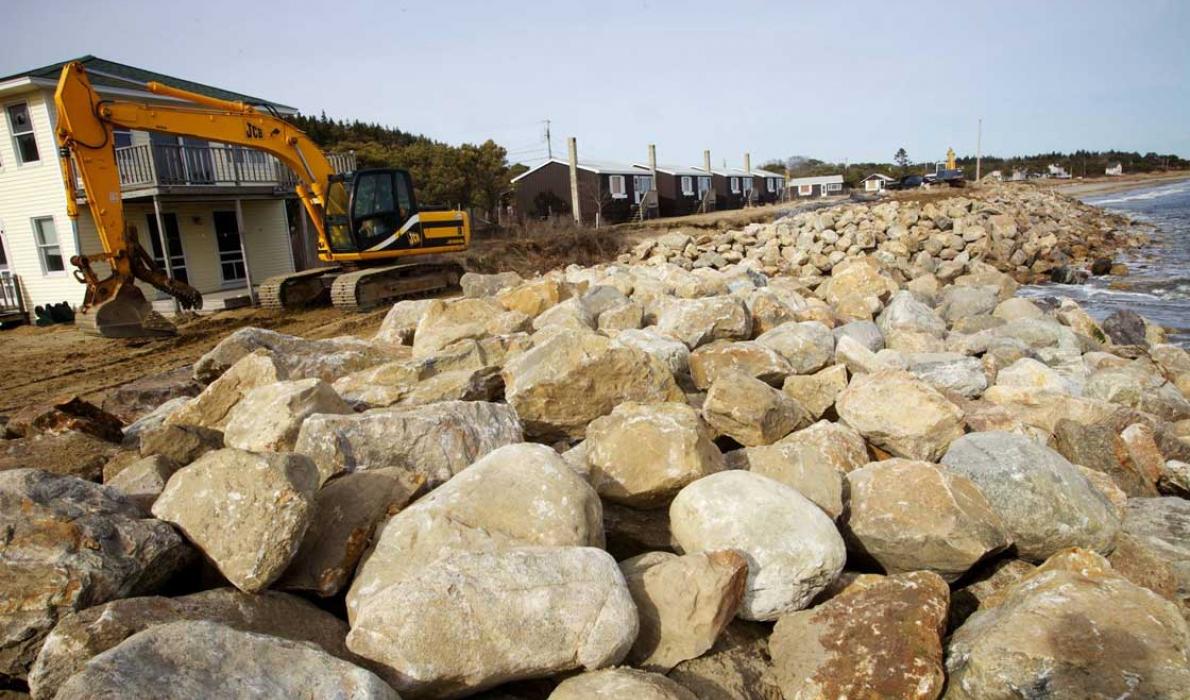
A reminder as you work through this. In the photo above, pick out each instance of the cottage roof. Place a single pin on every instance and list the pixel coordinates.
(816, 180)
(599, 167)
(878, 176)
(722, 172)
(118, 76)
(766, 173)
(672, 169)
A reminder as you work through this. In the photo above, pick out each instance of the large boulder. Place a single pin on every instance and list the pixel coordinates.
(447, 322)
(901, 414)
(476, 285)
(722, 356)
(1046, 504)
(534, 297)
(69, 544)
(1163, 525)
(950, 372)
(697, 322)
(401, 321)
(180, 444)
(750, 411)
(247, 512)
(79, 637)
(134, 400)
(267, 418)
(959, 302)
(792, 548)
(212, 408)
(143, 481)
(684, 603)
(200, 659)
(905, 313)
(299, 358)
(914, 516)
(855, 280)
(435, 441)
(1102, 448)
(673, 353)
(347, 510)
(518, 495)
(1072, 631)
(817, 392)
(807, 346)
(642, 454)
(812, 461)
(612, 683)
(882, 640)
(478, 619)
(67, 454)
(563, 384)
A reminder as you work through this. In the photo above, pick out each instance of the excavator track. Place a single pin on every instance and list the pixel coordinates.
(365, 289)
(296, 289)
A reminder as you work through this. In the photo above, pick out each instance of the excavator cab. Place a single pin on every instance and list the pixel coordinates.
(372, 211)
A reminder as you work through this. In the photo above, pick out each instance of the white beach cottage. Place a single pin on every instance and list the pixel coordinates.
(217, 216)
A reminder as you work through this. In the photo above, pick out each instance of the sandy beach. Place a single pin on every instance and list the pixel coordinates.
(1107, 185)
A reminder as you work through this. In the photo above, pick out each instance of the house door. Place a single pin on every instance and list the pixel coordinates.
(173, 240)
(231, 255)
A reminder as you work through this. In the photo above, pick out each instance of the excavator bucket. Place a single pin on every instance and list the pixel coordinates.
(126, 315)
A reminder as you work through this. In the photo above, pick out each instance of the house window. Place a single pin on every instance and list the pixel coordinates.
(805, 190)
(735, 185)
(834, 187)
(47, 246)
(747, 184)
(688, 185)
(122, 138)
(615, 185)
(22, 133)
(704, 185)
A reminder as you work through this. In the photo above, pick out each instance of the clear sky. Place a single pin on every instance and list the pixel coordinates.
(830, 80)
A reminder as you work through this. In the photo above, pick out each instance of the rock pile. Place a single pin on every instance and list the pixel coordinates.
(881, 475)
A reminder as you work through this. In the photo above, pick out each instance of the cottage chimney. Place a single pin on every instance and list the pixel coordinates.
(748, 163)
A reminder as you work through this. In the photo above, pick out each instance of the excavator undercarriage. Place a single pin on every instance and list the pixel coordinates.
(359, 289)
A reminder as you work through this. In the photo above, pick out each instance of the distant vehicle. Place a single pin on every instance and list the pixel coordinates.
(909, 182)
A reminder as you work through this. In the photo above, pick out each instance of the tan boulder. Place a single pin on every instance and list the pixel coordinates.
(684, 603)
(736, 668)
(750, 411)
(613, 683)
(485, 507)
(817, 392)
(447, 322)
(435, 441)
(915, 516)
(884, 640)
(300, 358)
(697, 322)
(401, 321)
(533, 297)
(347, 510)
(561, 385)
(900, 414)
(144, 480)
(268, 418)
(643, 454)
(212, 407)
(247, 512)
(856, 279)
(478, 619)
(750, 357)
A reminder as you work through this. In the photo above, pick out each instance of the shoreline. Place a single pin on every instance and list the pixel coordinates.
(1101, 186)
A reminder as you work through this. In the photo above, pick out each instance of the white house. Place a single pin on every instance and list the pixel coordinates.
(227, 212)
(818, 186)
(1057, 171)
(876, 182)
(1114, 169)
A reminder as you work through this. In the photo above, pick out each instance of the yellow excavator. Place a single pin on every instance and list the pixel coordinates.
(367, 221)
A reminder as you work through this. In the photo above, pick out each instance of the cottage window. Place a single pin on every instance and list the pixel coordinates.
(735, 185)
(615, 185)
(805, 190)
(747, 184)
(834, 187)
(704, 186)
(47, 245)
(687, 185)
(22, 133)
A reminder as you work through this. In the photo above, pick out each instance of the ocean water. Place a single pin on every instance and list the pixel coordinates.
(1157, 285)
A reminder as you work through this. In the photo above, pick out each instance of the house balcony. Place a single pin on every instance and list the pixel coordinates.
(175, 169)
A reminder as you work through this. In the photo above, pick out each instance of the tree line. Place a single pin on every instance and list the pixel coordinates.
(467, 175)
(1081, 163)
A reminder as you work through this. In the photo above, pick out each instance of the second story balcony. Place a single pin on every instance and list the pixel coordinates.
(152, 168)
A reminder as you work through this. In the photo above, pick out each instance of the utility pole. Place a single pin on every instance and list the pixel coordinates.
(651, 196)
(574, 203)
(709, 197)
(549, 145)
(748, 173)
(978, 149)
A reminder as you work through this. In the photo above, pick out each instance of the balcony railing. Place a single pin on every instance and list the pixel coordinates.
(172, 165)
